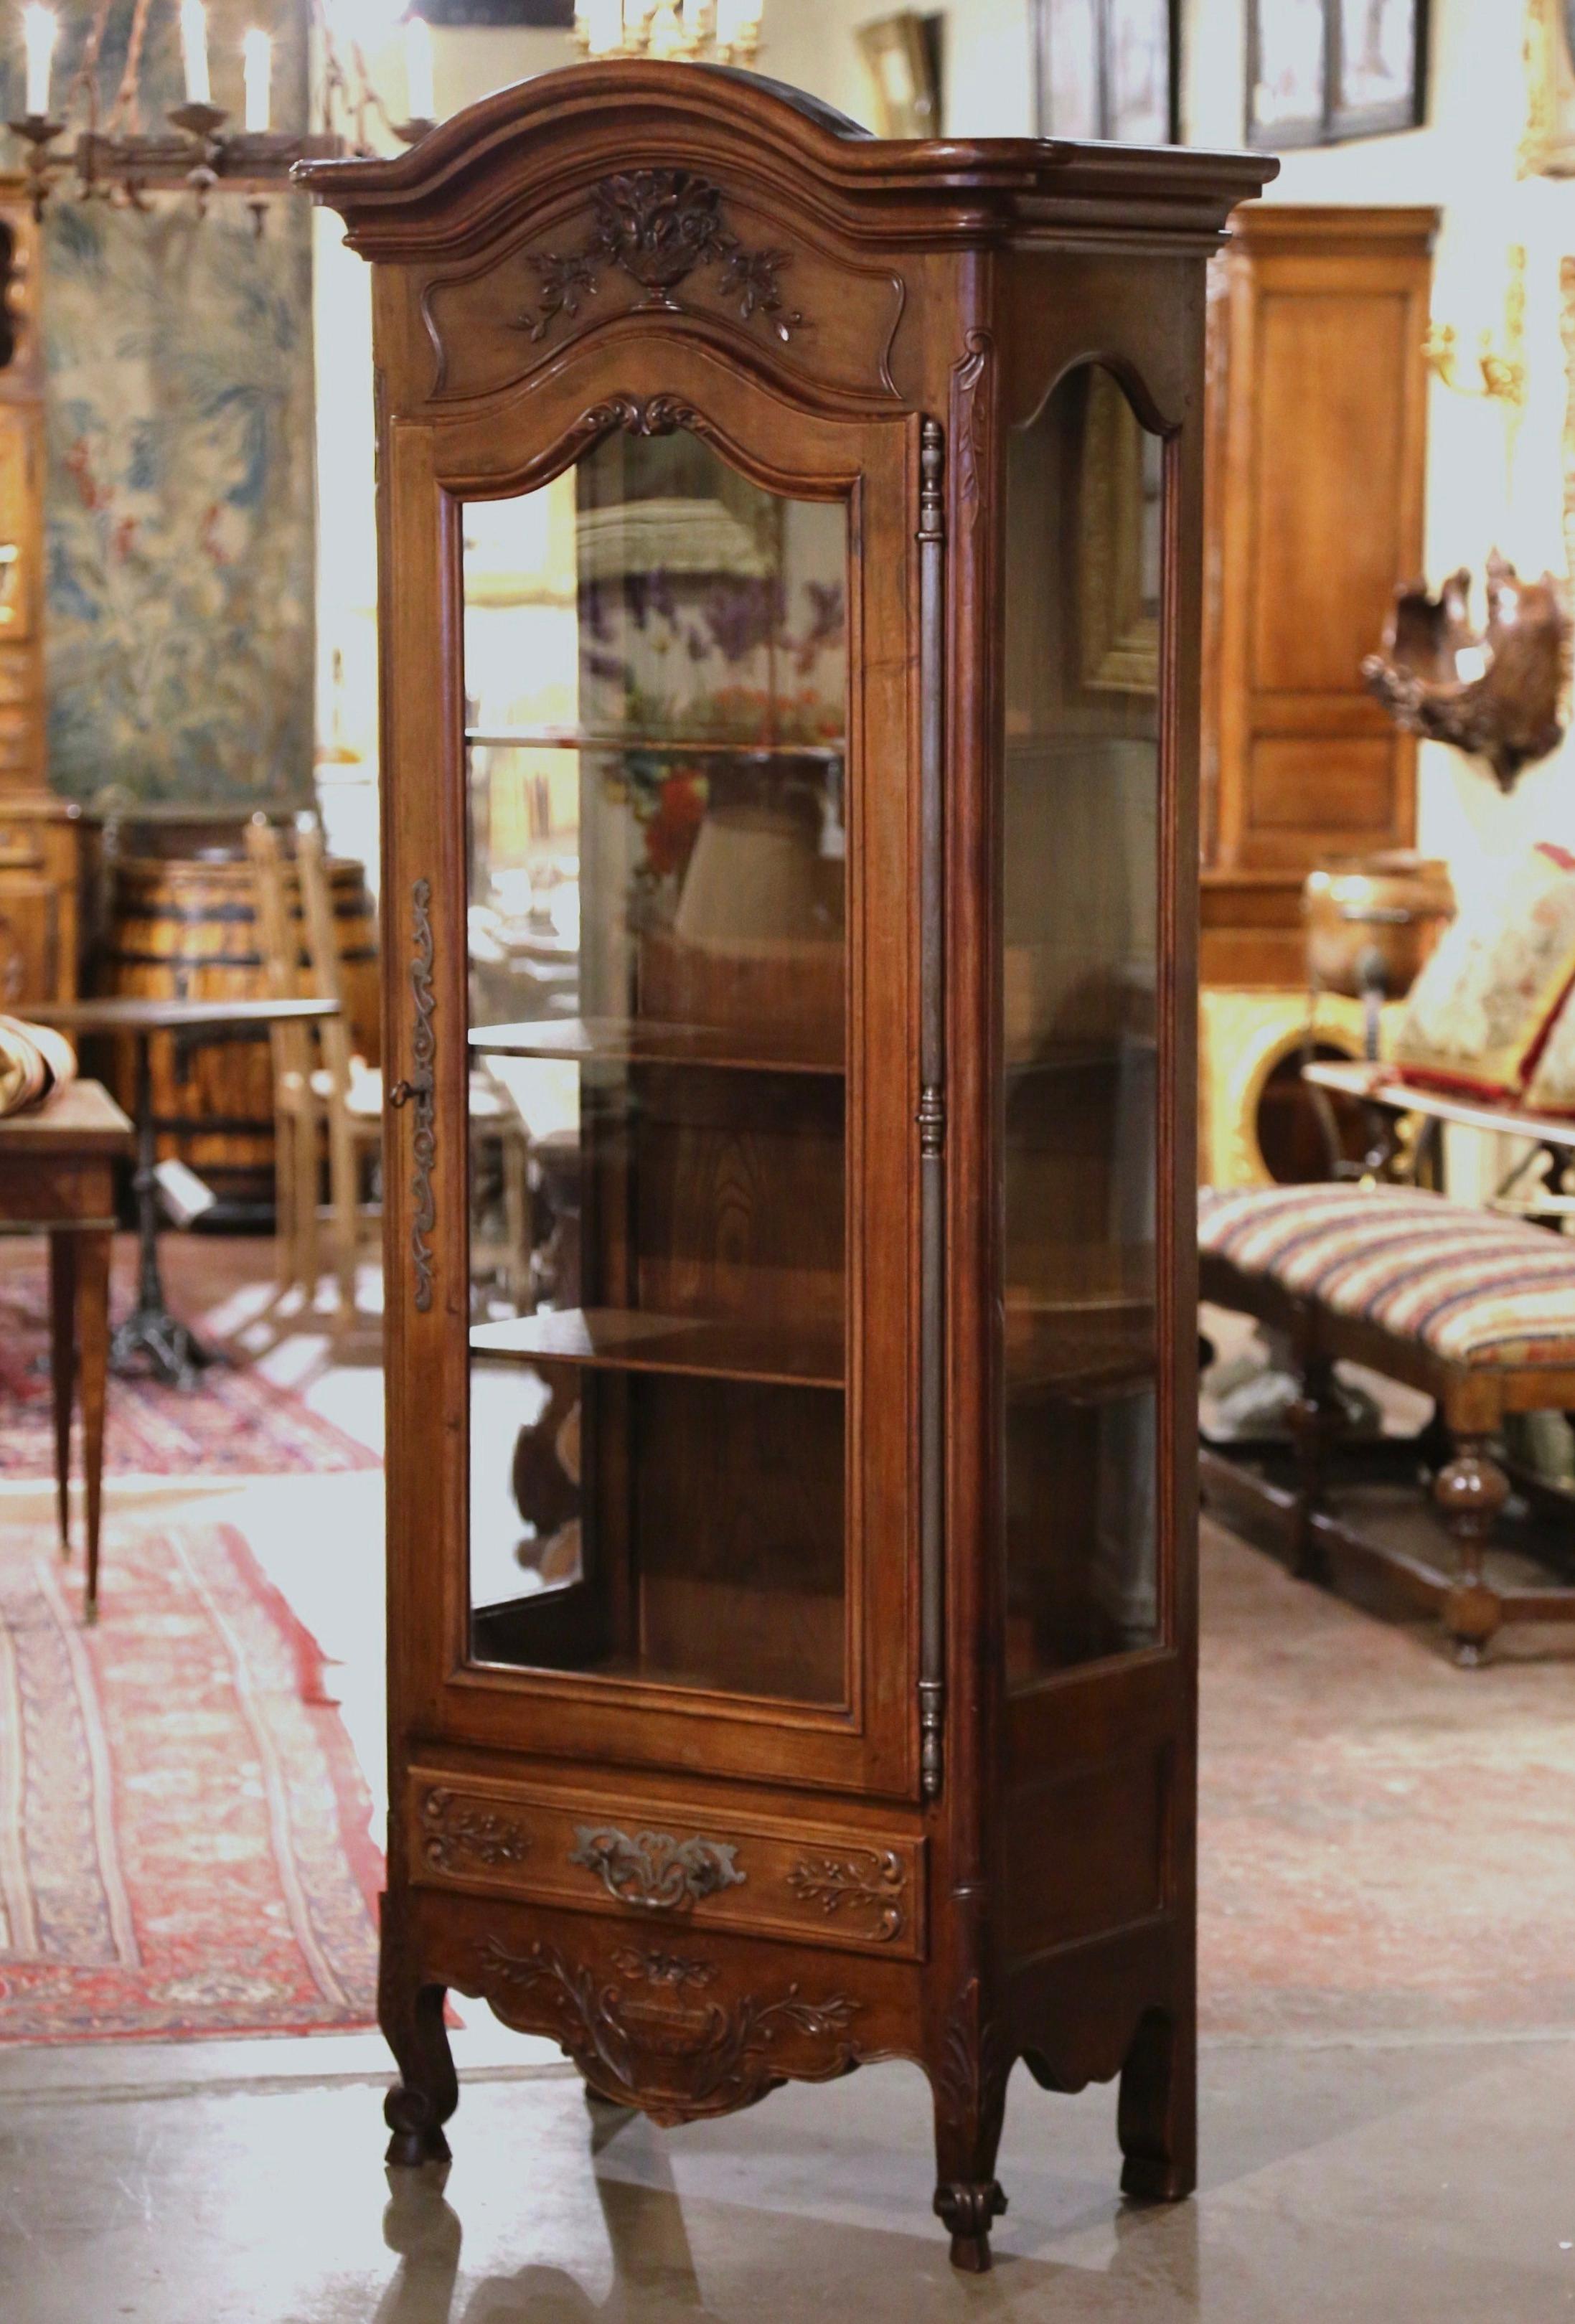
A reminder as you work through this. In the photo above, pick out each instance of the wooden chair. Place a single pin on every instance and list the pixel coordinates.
(297, 1107)
(349, 1089)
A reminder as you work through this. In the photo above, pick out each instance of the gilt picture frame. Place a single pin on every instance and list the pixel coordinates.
(1322, 72)
(1549, 147)
(901, 55)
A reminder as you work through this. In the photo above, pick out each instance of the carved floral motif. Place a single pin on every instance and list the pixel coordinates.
(460, 1834)
(865, 1880)
(654, 1871)
(971, 419)
(676, 2058)
(423, 1087)
(659, 226)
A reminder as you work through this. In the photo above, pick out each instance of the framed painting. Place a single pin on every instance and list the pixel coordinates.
(1322, 71)
(1549, 150)
(532, 15)
(1108, 69)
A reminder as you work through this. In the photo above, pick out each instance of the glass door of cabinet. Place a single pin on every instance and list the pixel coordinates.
(1080, 1002)
(656, 706)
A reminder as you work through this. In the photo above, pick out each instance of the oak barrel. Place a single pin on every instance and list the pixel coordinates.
(188, 926)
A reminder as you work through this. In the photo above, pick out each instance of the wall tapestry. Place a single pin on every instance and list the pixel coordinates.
(180, 501)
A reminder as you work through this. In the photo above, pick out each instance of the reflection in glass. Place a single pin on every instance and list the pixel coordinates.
(1078, 1001)
(656, 669)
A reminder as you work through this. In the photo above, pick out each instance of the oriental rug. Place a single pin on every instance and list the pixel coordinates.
(232, 1423)
(1385, 1843)
(184, 1843)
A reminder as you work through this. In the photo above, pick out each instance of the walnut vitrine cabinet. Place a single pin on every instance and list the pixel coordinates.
(789, 609)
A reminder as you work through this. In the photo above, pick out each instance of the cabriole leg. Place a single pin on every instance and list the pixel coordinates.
(970, 2107)
(411, 2013)
(1157, 2119)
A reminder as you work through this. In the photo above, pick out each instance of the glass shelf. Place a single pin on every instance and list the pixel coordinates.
(1081, 1348)
(633, 1041)
(573, 738)
(634, 1340)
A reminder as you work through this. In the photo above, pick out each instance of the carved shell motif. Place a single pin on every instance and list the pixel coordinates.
(659, 226)
(655, 2048)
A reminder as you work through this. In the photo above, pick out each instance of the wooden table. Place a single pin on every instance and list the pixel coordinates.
(151, 1338)
(57, 1178)
(1387, 1099)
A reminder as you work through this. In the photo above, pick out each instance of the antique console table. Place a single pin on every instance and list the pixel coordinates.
(149, 1337)
(57, 1178)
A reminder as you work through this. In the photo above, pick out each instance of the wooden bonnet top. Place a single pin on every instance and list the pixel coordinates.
(528, 147)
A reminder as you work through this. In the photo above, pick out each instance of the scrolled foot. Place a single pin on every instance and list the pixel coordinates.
(967, 2211)
(417, 2137)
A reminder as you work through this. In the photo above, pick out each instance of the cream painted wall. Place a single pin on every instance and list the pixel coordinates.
(467, 65)
(1488, 485)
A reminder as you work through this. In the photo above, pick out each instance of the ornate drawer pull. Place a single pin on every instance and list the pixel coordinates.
(653, 1871)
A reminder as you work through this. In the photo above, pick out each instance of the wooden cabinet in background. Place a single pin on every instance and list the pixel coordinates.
(1317, 446)
(807, 531)
(40, 836)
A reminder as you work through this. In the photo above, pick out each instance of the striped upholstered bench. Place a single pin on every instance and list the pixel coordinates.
(1475, 1310)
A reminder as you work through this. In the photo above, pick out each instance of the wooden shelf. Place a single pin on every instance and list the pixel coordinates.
(1079, 1348)
(632, 1340)
(575, 737)
(633, 1041)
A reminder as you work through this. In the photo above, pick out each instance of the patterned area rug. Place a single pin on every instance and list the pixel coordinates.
(183, 1825)
(235, 1424)
(1384, 1841)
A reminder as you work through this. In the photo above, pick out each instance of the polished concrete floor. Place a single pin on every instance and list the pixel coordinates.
(241, 2183)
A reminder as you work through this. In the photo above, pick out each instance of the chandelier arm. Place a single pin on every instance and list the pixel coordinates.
(86, 76)
(370, 98)
(124, 113)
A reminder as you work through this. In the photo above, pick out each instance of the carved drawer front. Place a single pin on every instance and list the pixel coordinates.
(669, 1864)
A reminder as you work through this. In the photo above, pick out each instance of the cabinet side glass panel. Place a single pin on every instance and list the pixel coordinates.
(1078, 1001)
(655, 678)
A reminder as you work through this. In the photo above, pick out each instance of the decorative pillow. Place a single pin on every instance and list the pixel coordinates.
(1480, 1011)
(1551, 1086)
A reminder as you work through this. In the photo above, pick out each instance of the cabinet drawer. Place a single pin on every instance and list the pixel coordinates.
(654, 1863)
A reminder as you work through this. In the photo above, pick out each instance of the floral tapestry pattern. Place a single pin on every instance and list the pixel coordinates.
(180, 503)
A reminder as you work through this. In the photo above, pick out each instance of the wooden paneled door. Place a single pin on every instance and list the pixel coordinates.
(1317, 425)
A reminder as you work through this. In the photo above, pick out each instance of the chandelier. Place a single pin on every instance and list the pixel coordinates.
(113, 158)
(712, 31)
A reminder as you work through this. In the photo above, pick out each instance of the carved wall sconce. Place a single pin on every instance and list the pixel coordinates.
(1501, 370)
(1495, 694)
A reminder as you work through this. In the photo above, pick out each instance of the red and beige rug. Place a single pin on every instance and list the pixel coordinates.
(183, 1826)
(233, 1423)
(1384, 1842)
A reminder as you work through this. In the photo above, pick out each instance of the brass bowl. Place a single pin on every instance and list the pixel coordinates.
(1373, 918)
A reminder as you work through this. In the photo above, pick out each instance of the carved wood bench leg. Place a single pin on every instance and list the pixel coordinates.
(1470, 1491)
(1157, 2117)
(1317, 1422)
(409, 2011)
